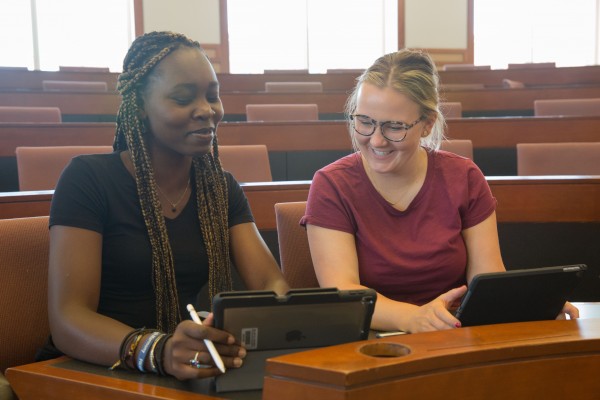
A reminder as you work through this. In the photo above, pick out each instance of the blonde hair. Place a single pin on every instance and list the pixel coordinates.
(412, 73)
(211, 189)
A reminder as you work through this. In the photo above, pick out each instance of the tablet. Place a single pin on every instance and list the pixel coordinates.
(518, 295)
(269, 325)
(302, 318)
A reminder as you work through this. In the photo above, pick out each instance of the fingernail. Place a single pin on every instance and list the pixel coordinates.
(242, 353)
(237, 362)
(457, 325)
(230, 340)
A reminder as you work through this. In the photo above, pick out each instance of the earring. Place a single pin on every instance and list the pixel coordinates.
(424, 134)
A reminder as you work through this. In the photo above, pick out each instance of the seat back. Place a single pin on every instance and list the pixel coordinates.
(282, 112)
(23, 298)
(30, 114)
(294, 252)
(294, 87)
(512, 84)
(451, 109)
(247, 163)
(75, 86)
(573, 158)
(39, 168)
(570, 107)
(462, 147)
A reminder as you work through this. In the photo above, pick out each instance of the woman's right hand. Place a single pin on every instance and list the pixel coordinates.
(434, 316)
(188, 339)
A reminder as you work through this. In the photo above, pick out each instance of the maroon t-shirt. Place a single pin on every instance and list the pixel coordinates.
(414, 255)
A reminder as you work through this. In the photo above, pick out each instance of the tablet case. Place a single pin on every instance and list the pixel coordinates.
(269, 325)
(518, 295)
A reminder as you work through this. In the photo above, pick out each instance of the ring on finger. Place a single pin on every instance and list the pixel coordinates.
(195, 362)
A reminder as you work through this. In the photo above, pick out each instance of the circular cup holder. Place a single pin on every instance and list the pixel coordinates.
(385, 350)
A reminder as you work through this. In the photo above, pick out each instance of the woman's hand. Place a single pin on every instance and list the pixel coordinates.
(188, 339)
(434, 315)
(570, 310)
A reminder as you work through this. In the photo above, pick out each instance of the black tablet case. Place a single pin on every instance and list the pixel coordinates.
(269, 325)
(534, 294)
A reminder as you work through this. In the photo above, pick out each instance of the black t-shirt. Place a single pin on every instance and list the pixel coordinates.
(96, 192)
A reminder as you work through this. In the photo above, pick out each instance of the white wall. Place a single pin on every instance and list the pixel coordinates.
(197, 19)
(436, 24)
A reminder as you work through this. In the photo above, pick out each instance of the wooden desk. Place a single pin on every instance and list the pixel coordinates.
(481, 102)
(548, 359)
(520, 199)
(68, 379)
(16, 79)
(539, 360)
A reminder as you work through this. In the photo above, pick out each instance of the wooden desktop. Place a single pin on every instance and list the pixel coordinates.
(548, 359)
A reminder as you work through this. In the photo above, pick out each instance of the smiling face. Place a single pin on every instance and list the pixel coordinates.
(387, 104)
(182, 104)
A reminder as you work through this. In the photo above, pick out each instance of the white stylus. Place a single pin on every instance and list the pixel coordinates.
(209, 344)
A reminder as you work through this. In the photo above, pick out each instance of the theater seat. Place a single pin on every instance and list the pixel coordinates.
(571, 107)
(294, 252)
(30, 114)
(293, 87)
(247, 163)
(39, 168)
(462, 147)
(286, 71)
(282, 112)
(74, 86)
(451, 109)
(24, 294)
(572, 158)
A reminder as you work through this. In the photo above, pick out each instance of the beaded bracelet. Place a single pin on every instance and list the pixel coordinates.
(141, 357)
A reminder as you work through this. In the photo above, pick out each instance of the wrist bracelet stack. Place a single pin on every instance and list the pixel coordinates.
(142, 348)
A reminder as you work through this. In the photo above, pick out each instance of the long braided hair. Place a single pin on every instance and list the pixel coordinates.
(211, 189)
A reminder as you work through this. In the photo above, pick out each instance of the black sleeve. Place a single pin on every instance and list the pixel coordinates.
(239, 208)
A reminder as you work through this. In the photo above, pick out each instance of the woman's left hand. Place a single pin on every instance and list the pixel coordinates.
(570, 310)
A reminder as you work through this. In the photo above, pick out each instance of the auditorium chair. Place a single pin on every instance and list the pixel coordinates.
(355, 71)
(465, 67)
(570, 107)
(24, 294)
(30, 114)
(74, 86)
(69, 68)
(451, 109)
(39, 168)
(247, 163)
(282, 112)
(569, 158)
(294, 252)
(462, 86)
(462, 147)
(293, 87)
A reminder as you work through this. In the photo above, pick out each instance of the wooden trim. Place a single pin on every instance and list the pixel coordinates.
(470, 54)
(224, 27)
(401, 24)
(138, 12)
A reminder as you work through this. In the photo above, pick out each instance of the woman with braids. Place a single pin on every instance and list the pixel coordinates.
(400, 216)
(135, 234)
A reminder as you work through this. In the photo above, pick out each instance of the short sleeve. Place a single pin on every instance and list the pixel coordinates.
(481, 203)
(327, 207)
(239, 208)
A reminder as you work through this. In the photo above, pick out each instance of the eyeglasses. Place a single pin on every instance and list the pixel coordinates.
(393, 131)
